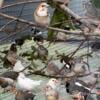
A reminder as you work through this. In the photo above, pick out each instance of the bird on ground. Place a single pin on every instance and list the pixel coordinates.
(26, 84)
(41, 15)
(77, 85)
(51, 94)
(52, 68)
(11, 56)
(60, 36)
(53, 83)
(23, 95)
(42, 52)
(7, 80)
(79, 68)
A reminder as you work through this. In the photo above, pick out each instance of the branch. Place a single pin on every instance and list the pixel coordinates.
(77, 17)
(19, 3)
(30, 23)
(1, 29)
(34, 24)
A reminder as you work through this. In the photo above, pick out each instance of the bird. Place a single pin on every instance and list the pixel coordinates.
(7, 80)
(52, 68)
(10, 74)
(26, 84)
(79, 68)
(51, 94)
(23, 95)
(60, 36)
(41, 15)
(77, 85)
(11, 56)
(53, 83)
(42, 51)
(37, 34)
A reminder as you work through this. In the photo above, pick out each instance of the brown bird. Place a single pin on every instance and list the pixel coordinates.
(7, 80)
(42, 52)
(52, 68)
(24, 96)
(11, 56)
(41, 14)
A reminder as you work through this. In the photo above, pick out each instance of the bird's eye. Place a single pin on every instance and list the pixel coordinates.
(43, 5)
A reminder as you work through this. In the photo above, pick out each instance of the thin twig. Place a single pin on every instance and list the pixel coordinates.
(1, 29)
(19, 3)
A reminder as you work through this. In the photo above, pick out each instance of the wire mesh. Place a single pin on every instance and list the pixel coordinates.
(13, 31)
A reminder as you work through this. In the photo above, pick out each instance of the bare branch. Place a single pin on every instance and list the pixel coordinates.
(77, 17)
(19, 3)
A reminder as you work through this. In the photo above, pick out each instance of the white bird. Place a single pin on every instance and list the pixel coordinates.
(18, 66)
(26, 84)
(41, 15)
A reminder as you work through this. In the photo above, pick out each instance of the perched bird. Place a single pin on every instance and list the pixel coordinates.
(26, 84)
(37, 34)
(41, 14)
(68, 62)
(22, 95)
(42, 52)
(11, 56)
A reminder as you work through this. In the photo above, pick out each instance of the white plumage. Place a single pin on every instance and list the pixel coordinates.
(26, 84)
